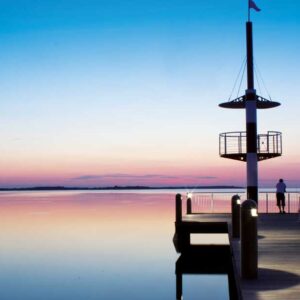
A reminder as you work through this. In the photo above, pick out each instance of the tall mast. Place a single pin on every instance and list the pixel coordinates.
(250, 76)
(250, 147)
(251, 124)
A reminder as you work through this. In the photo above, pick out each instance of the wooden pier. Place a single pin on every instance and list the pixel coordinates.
(278, 255)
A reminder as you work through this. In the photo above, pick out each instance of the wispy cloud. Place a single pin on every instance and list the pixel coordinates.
(87, 177)
(204, 177)
(132, 176)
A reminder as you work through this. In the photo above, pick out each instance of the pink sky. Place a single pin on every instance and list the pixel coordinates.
(222, 172)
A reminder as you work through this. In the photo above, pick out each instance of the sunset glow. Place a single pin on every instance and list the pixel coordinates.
(111, 92)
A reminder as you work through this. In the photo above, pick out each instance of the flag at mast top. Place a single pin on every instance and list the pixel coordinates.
(251, 4)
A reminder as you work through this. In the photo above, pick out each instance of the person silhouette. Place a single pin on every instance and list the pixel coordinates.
(280, 190)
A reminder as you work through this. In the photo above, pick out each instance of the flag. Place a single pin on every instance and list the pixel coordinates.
(253, 5)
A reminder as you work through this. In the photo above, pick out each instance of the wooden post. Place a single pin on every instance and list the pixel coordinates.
(178, 286)
(188, 206)
(178, 205)
(235, 216)
(249, 261)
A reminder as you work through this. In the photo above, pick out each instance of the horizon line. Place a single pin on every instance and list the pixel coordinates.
(115, 187)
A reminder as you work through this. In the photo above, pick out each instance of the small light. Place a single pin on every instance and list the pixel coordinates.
(238, 201)
(189, 195)
(254, 212)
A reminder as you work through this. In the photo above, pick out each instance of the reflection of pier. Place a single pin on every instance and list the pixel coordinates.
(208, 260)
(213, 258)
(278, 261)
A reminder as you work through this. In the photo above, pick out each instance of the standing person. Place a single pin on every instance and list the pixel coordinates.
(280, 190)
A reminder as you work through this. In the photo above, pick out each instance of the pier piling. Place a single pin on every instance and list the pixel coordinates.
(188, 206)
(178, 206)
(249, 262)
(235, 216)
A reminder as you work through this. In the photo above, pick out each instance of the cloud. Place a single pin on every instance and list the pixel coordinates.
(205, 177)
(87, 177)
(121, 175)
(132, 176)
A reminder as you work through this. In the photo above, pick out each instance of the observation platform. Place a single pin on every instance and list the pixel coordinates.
(240, 103)
(233, 145)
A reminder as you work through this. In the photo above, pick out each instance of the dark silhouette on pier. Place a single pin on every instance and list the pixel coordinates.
(202, 259)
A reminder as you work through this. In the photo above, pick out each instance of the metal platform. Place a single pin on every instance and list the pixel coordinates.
(233, 145)
(240, 103)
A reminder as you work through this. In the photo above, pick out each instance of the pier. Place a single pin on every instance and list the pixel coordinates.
(278, 253)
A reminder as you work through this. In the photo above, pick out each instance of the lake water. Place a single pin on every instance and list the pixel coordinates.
(93, 245)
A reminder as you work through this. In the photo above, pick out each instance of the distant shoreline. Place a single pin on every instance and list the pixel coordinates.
(116, 188)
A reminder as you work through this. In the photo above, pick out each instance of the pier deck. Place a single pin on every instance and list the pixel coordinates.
(278, 256)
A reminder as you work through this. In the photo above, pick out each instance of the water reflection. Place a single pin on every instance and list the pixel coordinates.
(210, 256)
(86, 246)
(210, 267)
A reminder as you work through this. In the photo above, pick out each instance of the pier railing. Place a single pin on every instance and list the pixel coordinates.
(220, 202)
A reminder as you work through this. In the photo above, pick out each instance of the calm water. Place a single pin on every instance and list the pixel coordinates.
(93, 245)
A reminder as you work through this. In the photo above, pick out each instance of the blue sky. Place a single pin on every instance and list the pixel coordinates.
(94, 88)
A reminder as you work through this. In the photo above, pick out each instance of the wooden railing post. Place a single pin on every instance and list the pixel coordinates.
(178, 206)
(189, 206)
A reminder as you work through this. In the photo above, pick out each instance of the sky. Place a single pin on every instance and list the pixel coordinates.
(126, 92)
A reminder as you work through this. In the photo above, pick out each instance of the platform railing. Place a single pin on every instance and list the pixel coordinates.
(235, 143)
(220, 202)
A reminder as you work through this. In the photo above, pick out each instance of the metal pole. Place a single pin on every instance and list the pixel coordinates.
(250, 73)
(251, 124)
